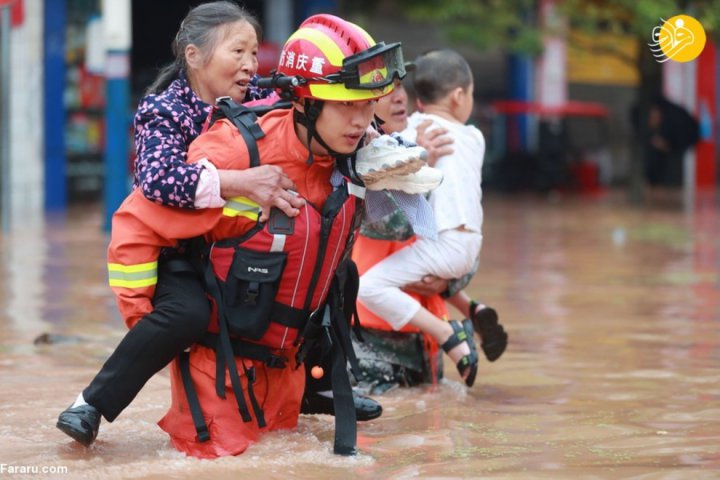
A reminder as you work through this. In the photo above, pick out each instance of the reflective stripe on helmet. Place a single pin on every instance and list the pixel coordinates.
(322, 42)
(340, 93)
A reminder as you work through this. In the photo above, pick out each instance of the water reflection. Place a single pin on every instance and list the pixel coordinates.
(24, 257)
(612, 370)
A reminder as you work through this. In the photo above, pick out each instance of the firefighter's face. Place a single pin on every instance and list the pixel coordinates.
(228, 68)
(342, 124)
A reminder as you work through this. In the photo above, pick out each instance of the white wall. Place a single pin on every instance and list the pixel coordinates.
(26, 121)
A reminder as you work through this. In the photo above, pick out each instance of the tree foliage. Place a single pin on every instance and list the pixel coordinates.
(485, 24)
(513, 24)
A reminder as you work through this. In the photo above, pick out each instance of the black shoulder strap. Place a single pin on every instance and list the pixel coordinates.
(245, 120)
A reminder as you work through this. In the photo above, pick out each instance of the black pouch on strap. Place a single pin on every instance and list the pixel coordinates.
(249, 291)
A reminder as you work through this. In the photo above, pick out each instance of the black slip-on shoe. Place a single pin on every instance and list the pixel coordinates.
(365, 407)
(81, 423)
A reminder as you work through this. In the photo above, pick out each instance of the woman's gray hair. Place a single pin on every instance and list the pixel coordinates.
(200, 28)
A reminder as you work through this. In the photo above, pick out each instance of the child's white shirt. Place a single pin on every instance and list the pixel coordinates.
(457, 202)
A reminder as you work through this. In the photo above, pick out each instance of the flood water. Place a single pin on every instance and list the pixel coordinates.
(612, 370)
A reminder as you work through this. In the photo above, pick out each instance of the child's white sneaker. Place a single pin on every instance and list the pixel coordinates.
(422, 181)
(384, 157)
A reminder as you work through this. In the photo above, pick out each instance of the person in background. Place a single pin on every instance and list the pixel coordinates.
(671, 132)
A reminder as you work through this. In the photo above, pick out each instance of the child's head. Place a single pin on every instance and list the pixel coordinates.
(216, 46)
(341, 73)
(443, 79)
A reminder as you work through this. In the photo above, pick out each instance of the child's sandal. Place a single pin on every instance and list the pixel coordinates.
(463, 332)
(493, 335)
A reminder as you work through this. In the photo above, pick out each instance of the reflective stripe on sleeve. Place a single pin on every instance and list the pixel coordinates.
(242, 206)
(132, 276)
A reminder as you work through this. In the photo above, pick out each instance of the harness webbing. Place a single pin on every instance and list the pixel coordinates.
(253, 351)
(224, 354)
(193, 402)
(245, 119)
(327, 333)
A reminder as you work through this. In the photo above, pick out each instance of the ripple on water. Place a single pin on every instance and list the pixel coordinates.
(653, 374)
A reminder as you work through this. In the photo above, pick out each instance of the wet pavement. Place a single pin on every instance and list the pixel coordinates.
(612, 371)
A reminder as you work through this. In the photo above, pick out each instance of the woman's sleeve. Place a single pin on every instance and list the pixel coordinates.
(256, 93)
(161, 170)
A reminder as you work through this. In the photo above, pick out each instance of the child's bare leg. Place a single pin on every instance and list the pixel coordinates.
(461, 301)
(440, 330)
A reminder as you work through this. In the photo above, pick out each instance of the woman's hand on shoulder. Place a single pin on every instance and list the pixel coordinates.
(266, 185)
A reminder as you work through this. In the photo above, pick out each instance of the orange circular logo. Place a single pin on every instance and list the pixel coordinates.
(681, 39)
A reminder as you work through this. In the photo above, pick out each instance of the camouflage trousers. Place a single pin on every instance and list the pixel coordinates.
(394, 359)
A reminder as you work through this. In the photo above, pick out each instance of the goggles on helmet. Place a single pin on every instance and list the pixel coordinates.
(371, 69)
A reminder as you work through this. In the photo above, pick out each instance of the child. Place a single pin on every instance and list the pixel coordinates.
(272, 275)
(386, 358)
(444, 86)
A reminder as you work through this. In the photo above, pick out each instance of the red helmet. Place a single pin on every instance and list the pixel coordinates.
(336, 60)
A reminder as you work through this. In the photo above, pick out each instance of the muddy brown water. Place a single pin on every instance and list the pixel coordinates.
(612, 371)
